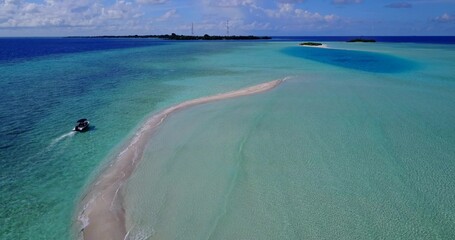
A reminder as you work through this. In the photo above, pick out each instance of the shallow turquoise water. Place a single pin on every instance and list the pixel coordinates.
(334, 150)
(332, 154)
(44, 167)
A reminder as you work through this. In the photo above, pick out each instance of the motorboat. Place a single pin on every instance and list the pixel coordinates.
(81, 125)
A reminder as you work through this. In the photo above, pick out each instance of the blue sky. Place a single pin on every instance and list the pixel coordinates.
(258, 17)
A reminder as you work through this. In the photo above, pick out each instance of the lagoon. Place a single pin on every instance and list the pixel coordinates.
(336, 150)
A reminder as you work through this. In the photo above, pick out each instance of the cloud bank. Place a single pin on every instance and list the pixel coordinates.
(266, 17)
(399, 5)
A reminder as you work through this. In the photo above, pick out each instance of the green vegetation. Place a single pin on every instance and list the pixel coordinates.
(174, 36)
(361, 40)
(208, 37)
(310, 44)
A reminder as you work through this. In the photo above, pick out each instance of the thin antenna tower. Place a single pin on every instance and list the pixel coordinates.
(227, 28)
(192, 29)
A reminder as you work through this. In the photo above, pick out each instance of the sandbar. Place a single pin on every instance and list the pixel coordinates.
(320, 46)
(101, 214)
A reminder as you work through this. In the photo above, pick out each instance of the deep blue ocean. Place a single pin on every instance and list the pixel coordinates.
(401, 95)
(25, 48)
(46, 84)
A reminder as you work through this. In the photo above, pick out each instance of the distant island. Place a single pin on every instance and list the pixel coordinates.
(361, 40)
(174, 36)
(310, 44)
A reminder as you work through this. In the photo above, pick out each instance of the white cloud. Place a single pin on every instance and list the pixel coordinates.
(93, 17)
(151, 1)
(346, 1)
(288, 11)
(399, 5)
(247, 15)
(314, 16)
(444, 18)
(64, 13)
(255, 26)
(237, 27)
(291, 1)
(120, 10)
(31, 8)
(216, 10)
(167, 15)
(232, 3)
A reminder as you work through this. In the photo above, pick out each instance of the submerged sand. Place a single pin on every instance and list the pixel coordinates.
(101, 213)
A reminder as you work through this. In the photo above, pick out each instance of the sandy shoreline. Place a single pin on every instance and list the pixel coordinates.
(101, 213)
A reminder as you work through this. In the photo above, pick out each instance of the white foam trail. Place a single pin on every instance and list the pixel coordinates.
(51, 145)
(58, 139)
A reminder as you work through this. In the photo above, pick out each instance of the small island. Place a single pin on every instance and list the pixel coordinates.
(174, 36)
(362, 40)
(313, 44)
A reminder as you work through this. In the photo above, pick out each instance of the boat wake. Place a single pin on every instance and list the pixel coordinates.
(62, 137)
(50, 147)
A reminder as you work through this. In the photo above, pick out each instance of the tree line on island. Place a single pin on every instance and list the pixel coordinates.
(361, 40)
(174, 36)
(315, 44)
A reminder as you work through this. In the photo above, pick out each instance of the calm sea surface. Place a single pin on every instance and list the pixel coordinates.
(358, 143)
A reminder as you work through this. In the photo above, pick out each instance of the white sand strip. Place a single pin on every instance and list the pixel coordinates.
(101, 213)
